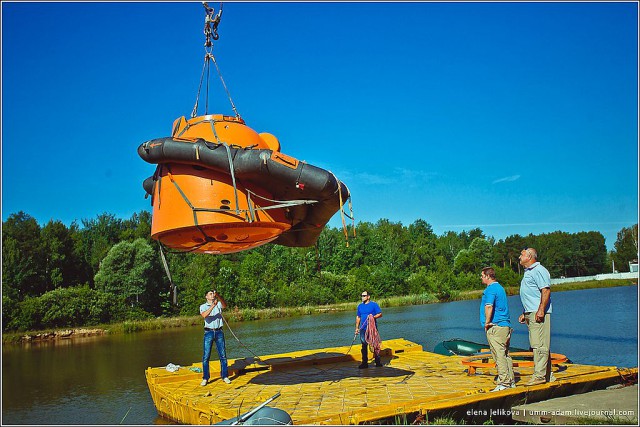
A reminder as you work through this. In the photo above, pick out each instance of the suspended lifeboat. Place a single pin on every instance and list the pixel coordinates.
(220, 187)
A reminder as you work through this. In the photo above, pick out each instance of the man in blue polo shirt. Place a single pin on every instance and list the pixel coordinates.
(366, 308)
(494, 317)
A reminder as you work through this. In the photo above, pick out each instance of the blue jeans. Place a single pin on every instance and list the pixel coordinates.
(209, 338)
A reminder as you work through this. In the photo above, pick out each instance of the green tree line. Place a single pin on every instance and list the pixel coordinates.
(108, 269)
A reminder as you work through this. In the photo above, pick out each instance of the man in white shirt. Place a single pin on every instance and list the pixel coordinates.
(211, 311)
(535, 295)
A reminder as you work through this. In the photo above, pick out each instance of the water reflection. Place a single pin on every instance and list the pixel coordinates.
(79, 340)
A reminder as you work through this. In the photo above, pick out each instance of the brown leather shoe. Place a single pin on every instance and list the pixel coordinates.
(535, 381)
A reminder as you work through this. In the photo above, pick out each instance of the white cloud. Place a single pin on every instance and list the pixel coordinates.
(367, 178)
(414, 175)
(507, 179)
(407, 176)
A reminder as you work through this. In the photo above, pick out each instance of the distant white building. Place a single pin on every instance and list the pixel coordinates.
(633, 266)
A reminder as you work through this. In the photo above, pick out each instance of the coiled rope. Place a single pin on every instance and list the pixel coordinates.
(371, 335)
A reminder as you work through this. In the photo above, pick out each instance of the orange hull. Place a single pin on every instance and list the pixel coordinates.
(215, 226)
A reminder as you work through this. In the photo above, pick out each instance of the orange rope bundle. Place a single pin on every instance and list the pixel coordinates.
(371, 335)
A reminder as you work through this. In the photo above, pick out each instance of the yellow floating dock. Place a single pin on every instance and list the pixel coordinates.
(325, 386)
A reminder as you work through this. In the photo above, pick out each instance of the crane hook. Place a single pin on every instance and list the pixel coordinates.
(211, 23)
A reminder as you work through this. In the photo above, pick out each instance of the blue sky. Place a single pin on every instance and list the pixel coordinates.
(516, 118)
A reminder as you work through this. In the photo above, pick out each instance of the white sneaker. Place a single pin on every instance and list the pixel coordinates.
(500, 388)
(204, 383)
(512, 385)
(226, 380)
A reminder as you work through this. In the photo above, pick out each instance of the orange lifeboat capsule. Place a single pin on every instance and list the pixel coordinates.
(220, 187)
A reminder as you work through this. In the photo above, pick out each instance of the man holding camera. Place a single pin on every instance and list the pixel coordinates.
(211, 311)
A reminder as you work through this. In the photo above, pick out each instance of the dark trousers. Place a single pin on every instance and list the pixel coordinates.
(365, 351)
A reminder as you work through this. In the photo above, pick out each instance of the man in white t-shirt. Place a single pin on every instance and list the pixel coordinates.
(211, 311)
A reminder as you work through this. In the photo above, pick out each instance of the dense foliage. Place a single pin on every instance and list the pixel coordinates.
(108, 269)
(626, 248)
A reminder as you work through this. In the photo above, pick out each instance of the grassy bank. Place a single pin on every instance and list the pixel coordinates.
(239, 315)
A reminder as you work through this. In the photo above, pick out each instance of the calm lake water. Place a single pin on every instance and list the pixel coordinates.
(100, 380)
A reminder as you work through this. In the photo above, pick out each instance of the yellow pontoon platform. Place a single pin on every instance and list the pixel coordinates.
(325, 386)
